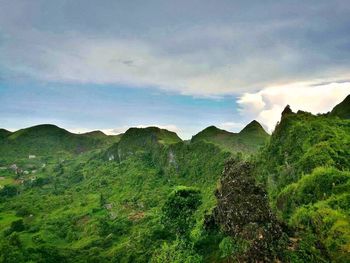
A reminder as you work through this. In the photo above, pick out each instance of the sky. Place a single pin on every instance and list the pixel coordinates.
(182, 65)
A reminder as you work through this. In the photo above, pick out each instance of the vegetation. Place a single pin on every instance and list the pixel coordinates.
(49, 140)
(148, 196)
(305, 169)
(249, 140)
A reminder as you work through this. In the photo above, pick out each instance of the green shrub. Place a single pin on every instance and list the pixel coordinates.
(179, 208)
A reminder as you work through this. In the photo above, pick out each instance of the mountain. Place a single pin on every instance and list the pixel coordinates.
(47, 139)
(305, 169)
(248, 140)
(148, 196)
(342, 110)
(141, 139)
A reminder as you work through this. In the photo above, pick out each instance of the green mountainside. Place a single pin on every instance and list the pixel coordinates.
(135, 140)
(48, 140)
(305, 170)
(148, 196)
(342, 110)
(249, 140)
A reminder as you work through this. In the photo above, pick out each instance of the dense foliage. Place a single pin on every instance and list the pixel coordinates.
(305, 169)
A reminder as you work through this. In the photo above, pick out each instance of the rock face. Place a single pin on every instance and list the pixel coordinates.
(243, 213)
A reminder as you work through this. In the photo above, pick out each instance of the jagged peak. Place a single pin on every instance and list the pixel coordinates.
(287, 110)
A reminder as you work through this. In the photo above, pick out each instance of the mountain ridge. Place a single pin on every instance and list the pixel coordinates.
(249, 139)
(49, 140)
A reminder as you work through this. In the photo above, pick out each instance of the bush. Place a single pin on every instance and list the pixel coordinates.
(17, 226)
(179, 208)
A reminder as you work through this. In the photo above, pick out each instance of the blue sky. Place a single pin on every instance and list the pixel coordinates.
(112, 108)
(182, 65)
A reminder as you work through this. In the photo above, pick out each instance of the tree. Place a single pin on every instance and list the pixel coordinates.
(179, 208)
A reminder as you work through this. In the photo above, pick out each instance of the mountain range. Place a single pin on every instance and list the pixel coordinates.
(148, 196)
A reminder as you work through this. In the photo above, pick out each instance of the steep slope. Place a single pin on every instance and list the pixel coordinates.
(302, 142)
(342, 110)
(305, 168)
(46, 139)
(249, 140)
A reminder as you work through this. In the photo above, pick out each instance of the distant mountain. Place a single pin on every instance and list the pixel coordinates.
(342, 110)
(47, 139)
(141, 139)
(247, 140)
(254, 127)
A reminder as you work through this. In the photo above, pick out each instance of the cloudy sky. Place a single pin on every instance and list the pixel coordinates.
(182, 65)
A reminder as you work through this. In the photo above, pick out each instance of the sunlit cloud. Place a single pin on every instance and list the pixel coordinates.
(266, 105)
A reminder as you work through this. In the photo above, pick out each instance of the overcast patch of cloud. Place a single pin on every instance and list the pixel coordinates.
(266, 105)
(210, 49)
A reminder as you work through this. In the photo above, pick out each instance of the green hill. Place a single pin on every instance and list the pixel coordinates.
(135, 140)
(342, 110)
(48, 140)
(249, 140)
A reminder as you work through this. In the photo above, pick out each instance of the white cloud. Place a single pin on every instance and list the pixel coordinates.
(266, 105)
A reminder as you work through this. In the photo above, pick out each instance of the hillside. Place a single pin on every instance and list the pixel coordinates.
(305, 169)
(49, 140)
(99, 210)
(342, 110)
(249, 140)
